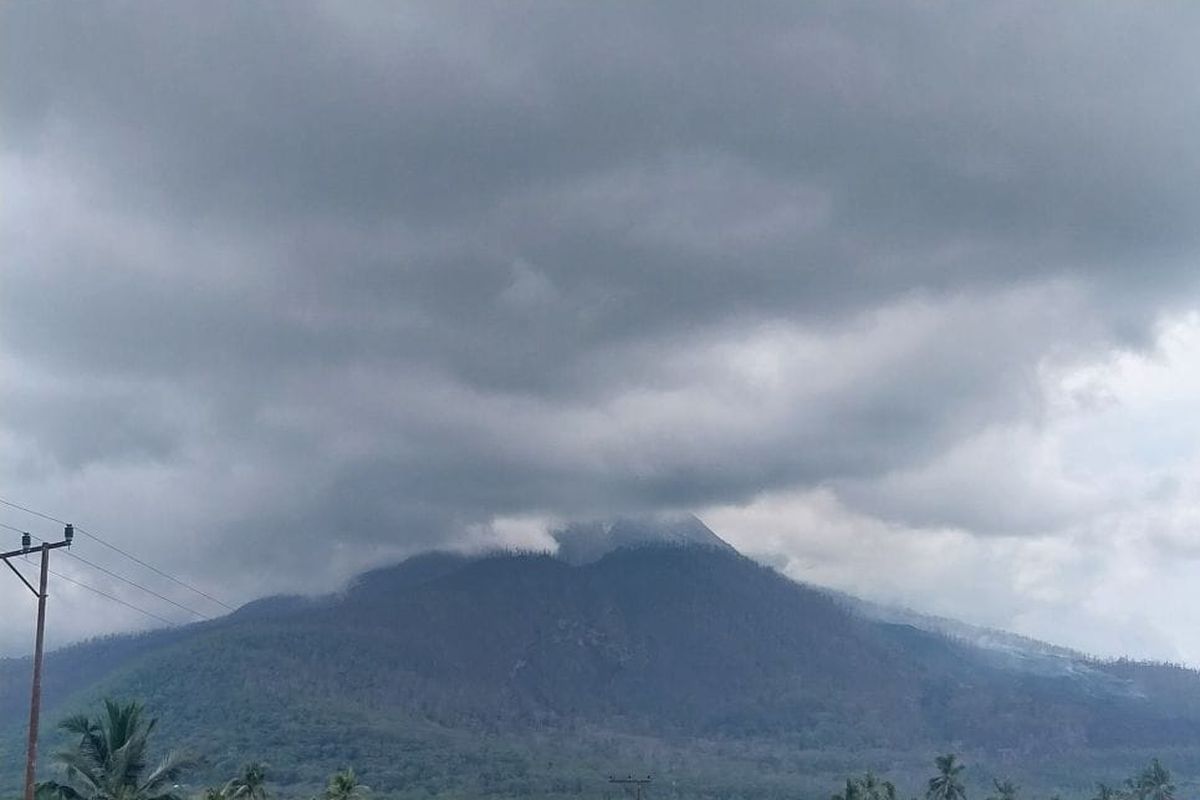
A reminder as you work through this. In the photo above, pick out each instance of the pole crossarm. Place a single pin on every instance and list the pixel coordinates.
(28, 551)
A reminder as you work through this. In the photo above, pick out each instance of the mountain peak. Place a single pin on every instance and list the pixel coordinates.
(585, 542)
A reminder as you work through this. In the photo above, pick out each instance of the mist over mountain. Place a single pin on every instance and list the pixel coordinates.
(641, 646)
(584, 542)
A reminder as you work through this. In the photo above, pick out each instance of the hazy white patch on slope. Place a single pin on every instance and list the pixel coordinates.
(584, 542)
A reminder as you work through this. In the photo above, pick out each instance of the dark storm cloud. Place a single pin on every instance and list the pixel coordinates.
(426, 265)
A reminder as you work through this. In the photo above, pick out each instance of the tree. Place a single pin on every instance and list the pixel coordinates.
(1005, 790)
(851, 792)
(110, 760)
(344, 785)
(1153, 783)
(867, 787)
(947, 785)
(1106, 792)
(250, 784)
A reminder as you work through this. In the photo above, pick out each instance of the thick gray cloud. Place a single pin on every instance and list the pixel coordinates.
(304, 277)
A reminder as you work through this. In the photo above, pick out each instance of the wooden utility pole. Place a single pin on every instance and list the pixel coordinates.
(35, 698)
(636, 783)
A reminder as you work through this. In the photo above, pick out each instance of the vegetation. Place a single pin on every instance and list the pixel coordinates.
(110, 760)
(344, 785)
(521, 675)
(947, 784)
(249, 784)
(1151, 783)
(1005, 790)
(1154, 783)
(867, 787)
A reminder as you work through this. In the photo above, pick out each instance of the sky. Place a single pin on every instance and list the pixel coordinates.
(899, 297)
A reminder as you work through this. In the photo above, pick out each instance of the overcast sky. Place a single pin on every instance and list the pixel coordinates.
(902, 298)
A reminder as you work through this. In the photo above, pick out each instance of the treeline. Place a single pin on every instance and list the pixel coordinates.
(110, 759)
(1151, 783)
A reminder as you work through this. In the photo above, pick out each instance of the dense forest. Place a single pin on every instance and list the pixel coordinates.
(109, 757)
(520, 674)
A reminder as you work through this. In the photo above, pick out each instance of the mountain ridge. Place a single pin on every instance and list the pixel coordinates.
(581, 543)
(672, 644)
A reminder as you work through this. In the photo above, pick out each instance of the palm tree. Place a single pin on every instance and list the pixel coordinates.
(1154, 783)
(879, 790)
(1005, 790)
(876, 789)
(1106, 792)
(867, 787)
(109, 762)
(947, 785)
(250, 784)
(344, 785)
(851, 792)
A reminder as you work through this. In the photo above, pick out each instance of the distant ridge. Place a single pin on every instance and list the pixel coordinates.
(584, 542)
(522, 674)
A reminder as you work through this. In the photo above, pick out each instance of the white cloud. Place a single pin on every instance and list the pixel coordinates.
(330, 299)
(1090, 518)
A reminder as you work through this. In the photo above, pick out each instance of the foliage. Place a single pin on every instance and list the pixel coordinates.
(518, 675)
(867, 787)
(249, 784)
(1152, 783)
(1005, 790)
(110, 760)
(344, 785)
(947, 784)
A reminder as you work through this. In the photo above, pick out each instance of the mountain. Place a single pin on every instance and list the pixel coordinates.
(518, 674)
(585, 542)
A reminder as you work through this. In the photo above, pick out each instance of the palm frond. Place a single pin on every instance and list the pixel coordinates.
(169, 769)
(53, 790)
(79, 765)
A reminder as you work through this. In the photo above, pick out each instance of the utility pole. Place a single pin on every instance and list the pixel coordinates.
(35, 699)
(636, 783)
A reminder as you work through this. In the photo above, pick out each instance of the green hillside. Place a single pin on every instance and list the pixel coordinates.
(517, 674)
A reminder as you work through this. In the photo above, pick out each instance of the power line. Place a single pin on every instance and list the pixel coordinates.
(93, 588)
(31, 511)
(82, 585)
(18, 530)
(154, 569)
(112, 574)
(136, 585)
(113, 547)
(41, 593)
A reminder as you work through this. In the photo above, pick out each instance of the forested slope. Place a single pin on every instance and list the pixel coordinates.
(445, 670)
